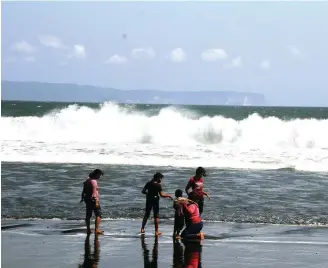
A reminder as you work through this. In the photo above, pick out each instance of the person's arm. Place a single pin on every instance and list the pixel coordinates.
(165, 195)
(83, 192)
(192, 202)
(190, 209)
(186, 200)
(94, 189)
(207, 195)
(188, 186)
(144, 190)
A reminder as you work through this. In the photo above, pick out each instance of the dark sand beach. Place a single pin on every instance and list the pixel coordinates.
(58, 243)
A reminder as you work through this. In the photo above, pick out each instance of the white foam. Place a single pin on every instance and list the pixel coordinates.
(116, 135)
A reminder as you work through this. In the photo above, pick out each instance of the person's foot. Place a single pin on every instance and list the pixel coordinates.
(98, 231)
(201, 235)
(142, 231)
(157, 233)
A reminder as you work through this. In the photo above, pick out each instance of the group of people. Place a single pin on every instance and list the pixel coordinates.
(187, 210)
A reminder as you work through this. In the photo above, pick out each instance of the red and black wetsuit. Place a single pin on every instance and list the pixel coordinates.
(193, 220)
(197, 189)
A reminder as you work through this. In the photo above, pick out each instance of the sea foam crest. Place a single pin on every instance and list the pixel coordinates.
(177, 136)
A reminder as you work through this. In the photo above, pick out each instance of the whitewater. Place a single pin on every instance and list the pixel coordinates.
(178, 137)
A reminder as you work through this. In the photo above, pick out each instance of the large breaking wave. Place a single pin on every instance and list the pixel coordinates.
(116, 135)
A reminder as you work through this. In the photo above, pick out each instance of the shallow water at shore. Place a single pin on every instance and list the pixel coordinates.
(32, 190)
(58, 243)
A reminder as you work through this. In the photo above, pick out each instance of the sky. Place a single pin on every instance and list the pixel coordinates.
(279, 49)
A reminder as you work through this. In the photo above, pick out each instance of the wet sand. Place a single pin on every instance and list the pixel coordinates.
(58, 243)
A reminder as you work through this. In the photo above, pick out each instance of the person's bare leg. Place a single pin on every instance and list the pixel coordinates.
(195, 236)
(201, 235)
(178, 234)
(156, 222)
(97, 223)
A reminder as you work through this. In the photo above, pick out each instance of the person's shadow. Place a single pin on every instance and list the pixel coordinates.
(147, 262)
(193, 254)
(90, 260)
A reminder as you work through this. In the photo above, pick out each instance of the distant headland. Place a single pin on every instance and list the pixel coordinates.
(60, 92)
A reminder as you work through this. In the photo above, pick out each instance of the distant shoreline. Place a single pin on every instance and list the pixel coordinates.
(64, 92)
(165, 105)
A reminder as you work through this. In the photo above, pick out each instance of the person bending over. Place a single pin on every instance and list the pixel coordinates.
(179, 218)
(153, 190)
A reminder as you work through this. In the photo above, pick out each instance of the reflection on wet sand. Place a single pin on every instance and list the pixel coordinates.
(147, 262)
(189, 257)
(186, 255)
(178, 261)
(193, 254)
(90, 260)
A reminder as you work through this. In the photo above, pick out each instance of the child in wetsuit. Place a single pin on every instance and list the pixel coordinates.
(153, 190)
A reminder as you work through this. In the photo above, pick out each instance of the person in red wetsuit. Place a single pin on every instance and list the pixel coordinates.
(153, 190)
(90, 196)
(196, 183)
(194, 223)
(179, 218)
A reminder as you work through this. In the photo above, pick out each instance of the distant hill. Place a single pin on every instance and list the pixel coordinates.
(36, 91)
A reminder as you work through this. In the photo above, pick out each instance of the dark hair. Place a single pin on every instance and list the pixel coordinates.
(158, 176)
(200, 171)
(178, 193)
(96, 174)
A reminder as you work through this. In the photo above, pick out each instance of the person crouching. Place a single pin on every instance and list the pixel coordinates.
(194, 223)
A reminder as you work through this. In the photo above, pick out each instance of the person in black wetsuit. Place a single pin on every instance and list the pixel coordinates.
(153, 190)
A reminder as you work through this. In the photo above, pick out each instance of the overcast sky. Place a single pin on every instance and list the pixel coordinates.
(279, 49)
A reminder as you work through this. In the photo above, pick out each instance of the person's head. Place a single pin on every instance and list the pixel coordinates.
(200, 172)
(158, 177)
(96, 174)
(178, 193)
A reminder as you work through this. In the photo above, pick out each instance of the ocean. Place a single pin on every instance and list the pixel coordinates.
(264, 164)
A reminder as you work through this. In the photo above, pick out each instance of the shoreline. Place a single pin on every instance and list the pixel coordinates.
(166, 221)
(60, 243)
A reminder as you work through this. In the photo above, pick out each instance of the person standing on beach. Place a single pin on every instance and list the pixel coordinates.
(90, 196)
(153, 190)
(196, 183)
